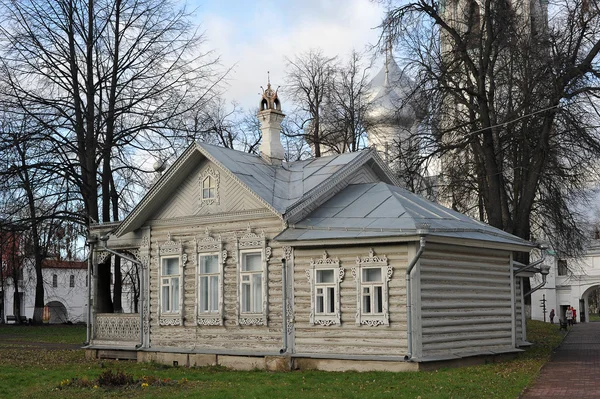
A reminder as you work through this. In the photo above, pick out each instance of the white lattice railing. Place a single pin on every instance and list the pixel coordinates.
(117, 326)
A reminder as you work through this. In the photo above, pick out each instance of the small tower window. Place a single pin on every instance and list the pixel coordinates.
(54, 280)
(72, 281)
(208, 188)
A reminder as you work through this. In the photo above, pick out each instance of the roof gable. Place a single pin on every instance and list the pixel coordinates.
(289, 190)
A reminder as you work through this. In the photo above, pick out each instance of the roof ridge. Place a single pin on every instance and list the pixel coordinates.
(331, 181)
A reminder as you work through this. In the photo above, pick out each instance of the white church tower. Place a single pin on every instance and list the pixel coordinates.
(270, 117)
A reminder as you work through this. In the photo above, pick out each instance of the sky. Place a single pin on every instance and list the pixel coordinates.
(254, 37)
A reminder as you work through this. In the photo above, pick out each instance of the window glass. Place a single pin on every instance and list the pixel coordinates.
(251, 262)
(175, 294)
(170, 266)
(320, 301)
(562, 267)
(209, 264)
(325, 276)
(257, 293)
(246, 298)
(204, 294)
(165, 298)
(214, 293)
(208, 188)
(330, 300)
(372, 275)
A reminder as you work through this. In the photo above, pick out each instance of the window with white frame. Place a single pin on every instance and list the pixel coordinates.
(171, 263)
(169, 286)
(251, 286)
(209, 186)
(211, 260)
(252, 256)
(372, 291)
(324, 277)
(372, 275)
(209, 284)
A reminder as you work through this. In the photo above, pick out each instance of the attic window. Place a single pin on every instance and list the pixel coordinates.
(209, 186)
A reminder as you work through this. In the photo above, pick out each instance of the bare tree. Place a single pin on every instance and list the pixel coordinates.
(515, 108)
(100, 76)
(310, 76)
(347, 106)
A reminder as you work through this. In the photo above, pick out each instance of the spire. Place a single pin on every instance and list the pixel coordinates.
(269, 98)
(270, 117)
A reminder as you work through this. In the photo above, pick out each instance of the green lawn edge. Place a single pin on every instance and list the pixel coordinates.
(30, 372)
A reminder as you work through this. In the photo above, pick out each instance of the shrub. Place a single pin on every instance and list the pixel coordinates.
(115, 379)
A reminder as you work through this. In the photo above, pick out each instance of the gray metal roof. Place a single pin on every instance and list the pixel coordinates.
(283, 188)
(383, 210)
(283, 185)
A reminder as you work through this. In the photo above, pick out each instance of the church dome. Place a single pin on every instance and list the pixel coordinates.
(388, 92)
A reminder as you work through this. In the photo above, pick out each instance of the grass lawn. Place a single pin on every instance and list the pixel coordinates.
(594, 317)
(27, 372)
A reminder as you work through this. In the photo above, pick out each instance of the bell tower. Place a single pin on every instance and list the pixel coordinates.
(270, 117)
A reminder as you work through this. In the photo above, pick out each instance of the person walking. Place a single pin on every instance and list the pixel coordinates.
(574, 315)
(569, 316)
(552, 316)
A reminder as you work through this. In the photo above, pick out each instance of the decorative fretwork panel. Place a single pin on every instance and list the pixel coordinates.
(122, 327)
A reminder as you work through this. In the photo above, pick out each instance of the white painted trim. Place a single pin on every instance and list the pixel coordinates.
(371, 262)
(171, 249)
(248, 243)
(209, 245)
(325, 263)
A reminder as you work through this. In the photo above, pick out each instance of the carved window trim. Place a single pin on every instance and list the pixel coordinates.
(206, 246)
(371, 262)
(169, 250)
(211, 174)
(325, 263)
(248, 243)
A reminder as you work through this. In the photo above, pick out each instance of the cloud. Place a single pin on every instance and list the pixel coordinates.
(257, 36)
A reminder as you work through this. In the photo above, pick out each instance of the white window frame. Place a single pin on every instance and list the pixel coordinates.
(372, 262)
(209, 188)
(211, 174)
(252, 243)
(325, 263)
(169, 250)
(210, 246)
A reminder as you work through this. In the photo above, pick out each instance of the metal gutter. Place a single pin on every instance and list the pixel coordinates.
(284, 307)
(422, 241)
(88, 333)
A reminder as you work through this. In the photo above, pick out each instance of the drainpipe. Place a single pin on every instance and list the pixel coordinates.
(283, 307)
(534, 264)
(104, 239)
(422, 241)
(88, 326)
(544, 271)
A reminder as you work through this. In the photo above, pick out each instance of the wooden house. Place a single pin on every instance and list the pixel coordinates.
(251, 262)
